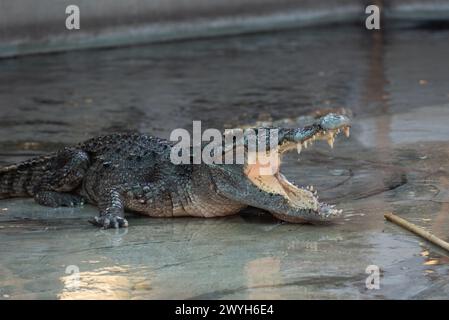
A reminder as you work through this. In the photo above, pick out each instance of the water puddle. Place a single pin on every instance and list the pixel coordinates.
(394, 161)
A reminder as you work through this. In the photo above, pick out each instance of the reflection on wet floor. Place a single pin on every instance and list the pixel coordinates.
(395, 160)
(108, 283)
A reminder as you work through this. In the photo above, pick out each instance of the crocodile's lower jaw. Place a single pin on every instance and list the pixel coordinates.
(288, 218)
(277, 183)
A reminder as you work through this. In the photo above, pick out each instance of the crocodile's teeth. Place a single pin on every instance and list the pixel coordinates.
(305, 144)
(346, 131)
(299, 148)
(330, 141)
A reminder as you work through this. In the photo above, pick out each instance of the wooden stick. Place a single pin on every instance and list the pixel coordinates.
(417, 230)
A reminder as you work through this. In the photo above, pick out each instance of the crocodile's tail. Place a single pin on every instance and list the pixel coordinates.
(19, 180)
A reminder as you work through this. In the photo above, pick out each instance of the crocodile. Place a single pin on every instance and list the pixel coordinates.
(133, 172)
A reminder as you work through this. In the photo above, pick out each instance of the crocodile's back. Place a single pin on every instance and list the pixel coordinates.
(125, 160)
(119, 143)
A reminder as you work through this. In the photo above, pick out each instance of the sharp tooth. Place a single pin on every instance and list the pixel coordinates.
(346, 131)
(305, 144)
(311, 188)
(330, 141)
(299, 148)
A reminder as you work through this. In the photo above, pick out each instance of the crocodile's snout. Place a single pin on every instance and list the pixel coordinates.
(334, 121)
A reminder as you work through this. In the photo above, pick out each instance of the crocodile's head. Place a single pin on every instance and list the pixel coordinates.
(261, 184)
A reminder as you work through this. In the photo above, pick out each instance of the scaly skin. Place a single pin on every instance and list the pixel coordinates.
(134, 172)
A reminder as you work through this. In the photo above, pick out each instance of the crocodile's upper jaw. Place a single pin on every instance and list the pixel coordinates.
(303, 199)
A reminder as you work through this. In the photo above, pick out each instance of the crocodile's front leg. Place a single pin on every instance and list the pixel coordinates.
(151, 199)
(112, 209)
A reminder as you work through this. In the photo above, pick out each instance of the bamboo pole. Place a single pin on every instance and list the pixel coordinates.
(417, 230)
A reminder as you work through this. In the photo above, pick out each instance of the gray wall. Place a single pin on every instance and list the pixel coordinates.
(30, 26)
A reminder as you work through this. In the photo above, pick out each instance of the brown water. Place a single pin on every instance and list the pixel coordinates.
(396, 83)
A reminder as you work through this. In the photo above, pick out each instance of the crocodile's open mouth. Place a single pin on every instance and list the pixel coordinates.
(304, 199)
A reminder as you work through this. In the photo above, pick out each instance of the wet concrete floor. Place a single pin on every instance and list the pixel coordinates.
(396, 160)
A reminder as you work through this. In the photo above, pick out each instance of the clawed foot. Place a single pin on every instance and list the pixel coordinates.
(109, 220)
